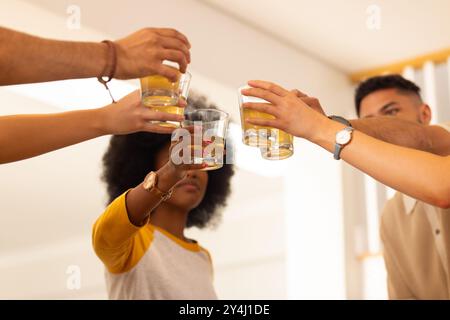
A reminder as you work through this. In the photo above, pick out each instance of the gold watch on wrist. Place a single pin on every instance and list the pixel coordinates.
(150, 183)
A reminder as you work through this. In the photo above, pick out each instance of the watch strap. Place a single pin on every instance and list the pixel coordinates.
(341, 120)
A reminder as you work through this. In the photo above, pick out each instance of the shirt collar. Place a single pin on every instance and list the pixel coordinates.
(409, 204)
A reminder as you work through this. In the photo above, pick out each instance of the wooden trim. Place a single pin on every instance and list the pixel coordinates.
(398, 67)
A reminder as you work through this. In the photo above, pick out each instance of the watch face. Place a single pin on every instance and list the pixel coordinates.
(149, 181)
(343, 137)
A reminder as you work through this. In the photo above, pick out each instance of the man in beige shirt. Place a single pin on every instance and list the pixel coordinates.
(394, 144)
(416, 235)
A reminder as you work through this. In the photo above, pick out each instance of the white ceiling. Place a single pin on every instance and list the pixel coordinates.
(336, 30)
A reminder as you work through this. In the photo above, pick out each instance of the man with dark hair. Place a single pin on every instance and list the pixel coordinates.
(394, 121)
(379, 99)
(397, 82)
(415, 234)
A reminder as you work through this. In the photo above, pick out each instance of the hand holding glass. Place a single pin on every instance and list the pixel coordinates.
(274, 144)
(162, 95)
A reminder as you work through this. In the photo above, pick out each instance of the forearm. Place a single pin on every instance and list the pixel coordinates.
(129, 212)
(421, 175)
(396, 131)
(25, 136)
(28, 59)
(140, 203)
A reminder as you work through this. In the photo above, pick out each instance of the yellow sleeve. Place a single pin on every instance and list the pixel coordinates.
(116, 241)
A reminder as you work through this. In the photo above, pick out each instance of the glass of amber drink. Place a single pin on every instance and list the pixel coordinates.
(274, 144)
(280, 145)
(162, 95)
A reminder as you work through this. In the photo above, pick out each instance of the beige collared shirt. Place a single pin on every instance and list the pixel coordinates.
(416, 239)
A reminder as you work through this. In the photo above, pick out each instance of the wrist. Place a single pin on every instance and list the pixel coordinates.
(168, 176)
(320, 129)
(121, 57)
(325, 132)
(102, 52)
(102, 120)
(90, 58)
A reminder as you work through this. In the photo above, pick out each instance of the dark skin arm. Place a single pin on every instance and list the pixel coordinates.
(28, 59)
(25, 136)
(404, 133)
(433, 139)
(140, 202)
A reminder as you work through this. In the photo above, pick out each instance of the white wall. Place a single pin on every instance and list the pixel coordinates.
(278, 234)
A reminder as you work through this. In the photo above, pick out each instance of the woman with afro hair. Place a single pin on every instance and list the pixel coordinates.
(140, 236)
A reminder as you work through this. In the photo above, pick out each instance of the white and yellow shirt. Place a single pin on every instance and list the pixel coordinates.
(148, 262)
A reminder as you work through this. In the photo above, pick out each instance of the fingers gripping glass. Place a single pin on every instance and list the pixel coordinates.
(162, 95)
(274, 144)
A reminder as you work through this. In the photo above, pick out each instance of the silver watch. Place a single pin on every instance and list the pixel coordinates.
(343, 137)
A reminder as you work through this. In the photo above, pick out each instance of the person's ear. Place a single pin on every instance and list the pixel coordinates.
(425, 114)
